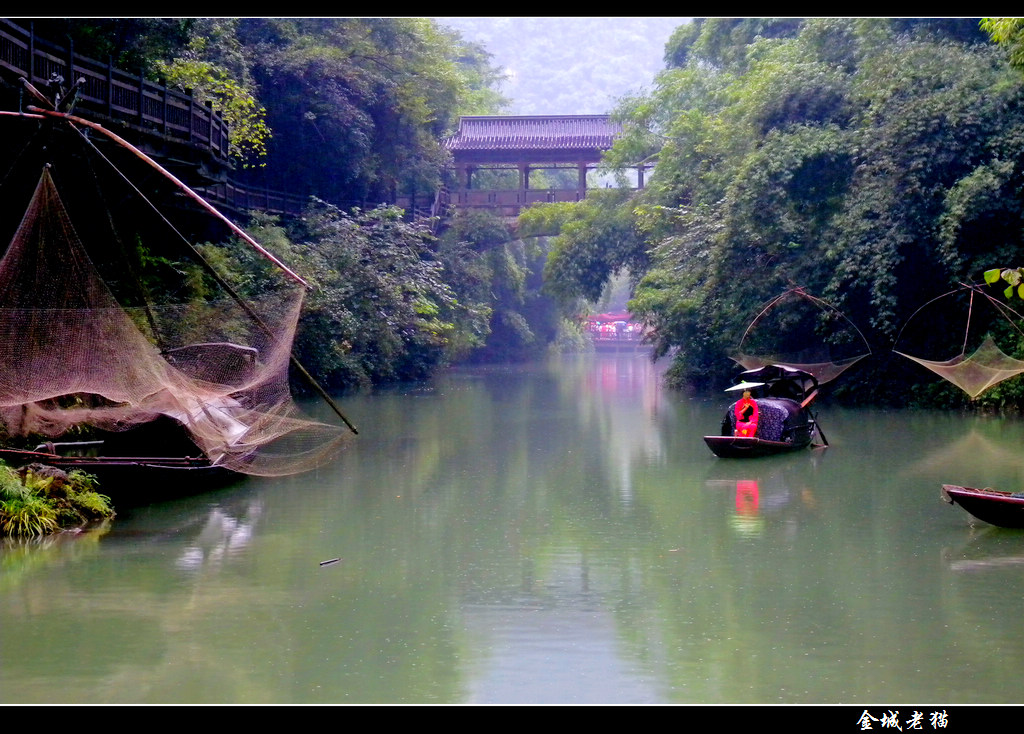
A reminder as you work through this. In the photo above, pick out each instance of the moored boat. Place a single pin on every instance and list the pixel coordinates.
(994, 506)
(740, 447)
(771, 417)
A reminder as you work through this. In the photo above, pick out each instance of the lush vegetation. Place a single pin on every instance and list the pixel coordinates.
(873, 161)
(346, 109)
(377, 310)
(390, 300)
(38, 500)
(351, 112)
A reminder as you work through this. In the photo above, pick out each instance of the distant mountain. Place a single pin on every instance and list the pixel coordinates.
(562, 66)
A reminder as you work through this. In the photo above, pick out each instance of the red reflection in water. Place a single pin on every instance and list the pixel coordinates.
(746, 496)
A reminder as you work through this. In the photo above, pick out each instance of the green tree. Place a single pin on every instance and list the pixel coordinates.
(377, 304)
(872, 161)
(359, 106)
(130, 43)
(596, 239)
(214, 67)
(504, 313)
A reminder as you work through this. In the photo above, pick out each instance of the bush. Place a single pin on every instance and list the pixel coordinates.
(38, 499)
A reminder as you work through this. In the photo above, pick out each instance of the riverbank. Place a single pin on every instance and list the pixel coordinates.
(38, 500)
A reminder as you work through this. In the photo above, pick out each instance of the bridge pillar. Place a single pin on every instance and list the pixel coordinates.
(465, 175)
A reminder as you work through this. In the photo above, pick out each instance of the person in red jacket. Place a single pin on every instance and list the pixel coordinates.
(746, 415)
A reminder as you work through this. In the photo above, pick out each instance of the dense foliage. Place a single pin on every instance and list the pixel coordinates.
(38, 500)
(377, 309)
(505, 313)
(875, 162)
(351, 111)
(357, 106)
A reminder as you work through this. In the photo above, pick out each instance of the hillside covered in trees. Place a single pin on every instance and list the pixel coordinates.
(571, 65)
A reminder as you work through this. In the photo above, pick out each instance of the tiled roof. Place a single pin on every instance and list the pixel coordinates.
(552, 132)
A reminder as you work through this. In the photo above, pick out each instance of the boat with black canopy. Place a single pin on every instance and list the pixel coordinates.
(795, 344)
(773, 415)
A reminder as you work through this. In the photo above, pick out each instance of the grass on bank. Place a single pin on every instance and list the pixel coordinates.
(38, 500)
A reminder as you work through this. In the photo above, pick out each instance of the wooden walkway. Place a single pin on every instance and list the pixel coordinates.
(169, 125)
(192, 139)
(113, 95)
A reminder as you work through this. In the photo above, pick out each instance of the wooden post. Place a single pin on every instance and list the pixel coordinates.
(70, 80)
(192, 116)
(142, 96)
(110, 86)
(163, 110)
(32, 52)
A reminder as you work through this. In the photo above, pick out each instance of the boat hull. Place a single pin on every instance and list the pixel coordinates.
(748, 447)
(128, 476)
(993, 506)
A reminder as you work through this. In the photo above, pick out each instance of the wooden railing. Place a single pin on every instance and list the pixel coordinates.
(241, 199)
(113, 93)
(510, 202)
(110, 94)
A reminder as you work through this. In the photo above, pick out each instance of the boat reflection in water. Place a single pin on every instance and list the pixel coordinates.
(778, 496)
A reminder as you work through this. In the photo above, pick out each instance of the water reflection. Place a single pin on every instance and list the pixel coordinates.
(222, 535)
(553, 533)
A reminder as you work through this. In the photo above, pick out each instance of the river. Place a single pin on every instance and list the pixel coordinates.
(551, 533)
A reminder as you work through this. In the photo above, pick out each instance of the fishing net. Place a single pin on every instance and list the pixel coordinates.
(801, 331)
(71, 357)
(975, 369)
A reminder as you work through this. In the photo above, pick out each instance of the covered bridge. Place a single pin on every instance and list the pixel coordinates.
(523, 144)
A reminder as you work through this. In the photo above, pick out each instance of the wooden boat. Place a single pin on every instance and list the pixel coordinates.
(132, 477)
(772, 417)
(749, 447)
(996, 507)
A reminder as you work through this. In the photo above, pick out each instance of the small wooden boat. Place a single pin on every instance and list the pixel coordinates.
(772, 417)
(997, 507)
(739, 447)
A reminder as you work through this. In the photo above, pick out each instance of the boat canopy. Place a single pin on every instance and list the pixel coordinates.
(780, 381)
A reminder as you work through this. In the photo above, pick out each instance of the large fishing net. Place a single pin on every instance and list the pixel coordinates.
(796, 329)
(981, 363)
(72, 358)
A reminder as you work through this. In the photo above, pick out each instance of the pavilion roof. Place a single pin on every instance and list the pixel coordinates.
(533, 132)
